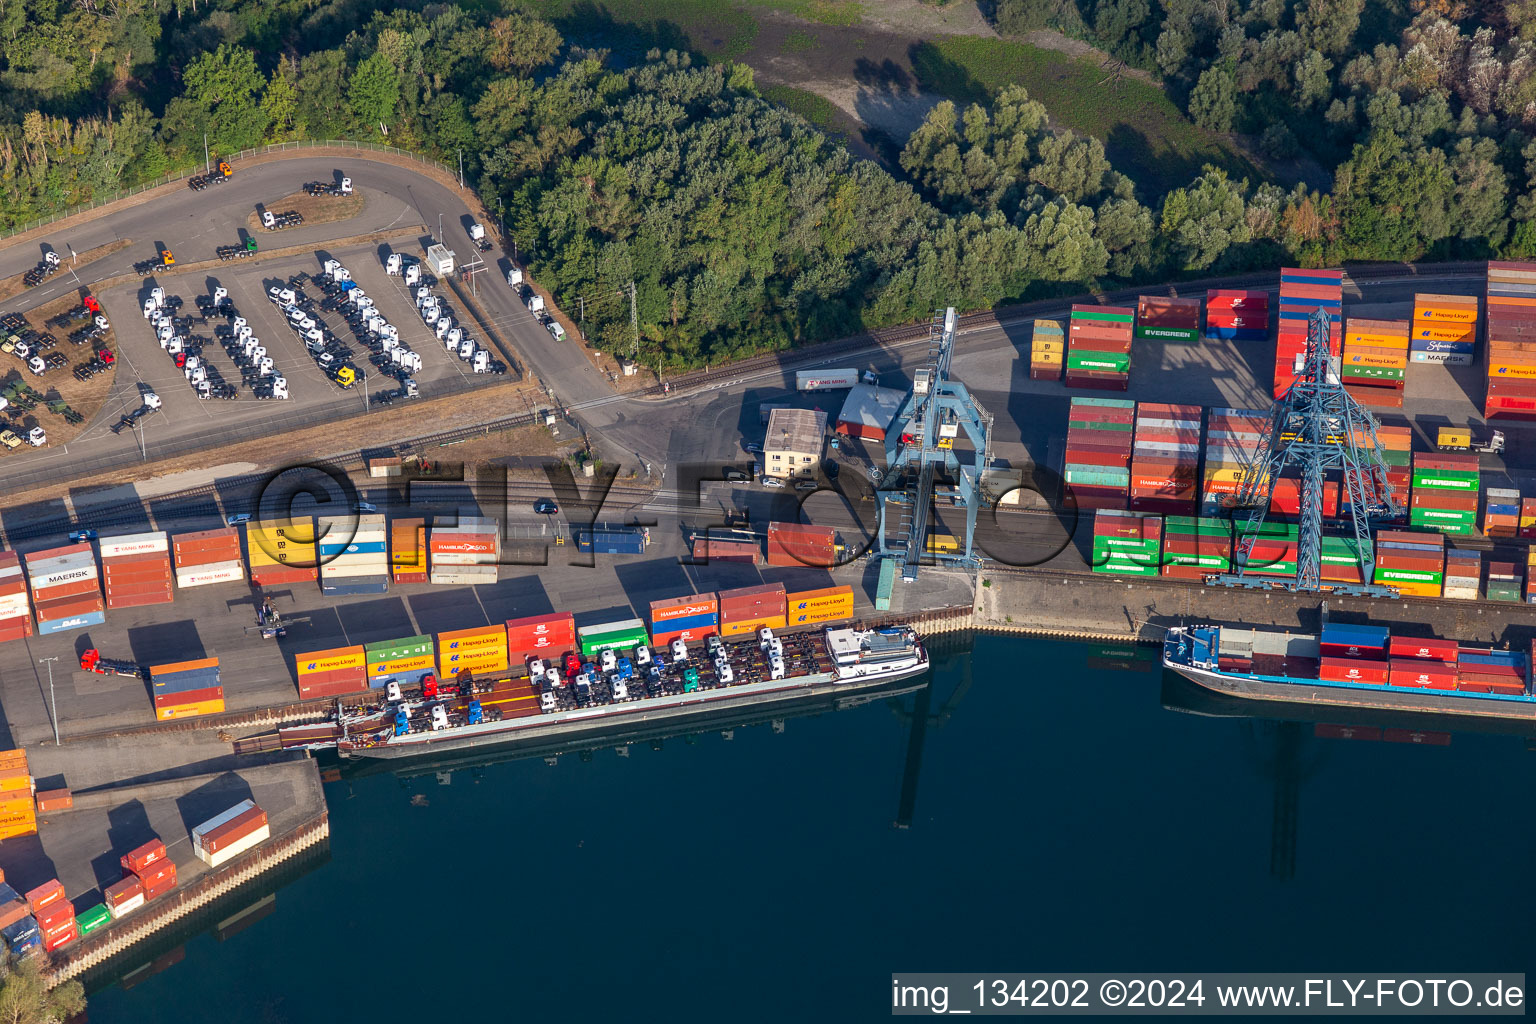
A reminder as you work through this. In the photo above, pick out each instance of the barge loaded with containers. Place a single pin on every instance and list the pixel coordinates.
(543, 678)
(1355, 666)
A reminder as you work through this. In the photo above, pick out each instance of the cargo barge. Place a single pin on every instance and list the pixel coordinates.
(628, 685)
(1354, 666)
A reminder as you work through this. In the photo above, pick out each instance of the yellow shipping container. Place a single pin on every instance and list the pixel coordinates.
(203, 707)
(329, 661)
(20, 781)
(1372, 359)
(13, 762)
(1046, 345)
(807, 618)
(1045, 359)
(1376, 338)
(1226, 474)
(1525, 371)
(747, 626)
(13, 832)
(399, 665)
(1408, 589)
(942, 543)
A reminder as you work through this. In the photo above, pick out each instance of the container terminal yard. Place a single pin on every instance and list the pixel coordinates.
(190, 610)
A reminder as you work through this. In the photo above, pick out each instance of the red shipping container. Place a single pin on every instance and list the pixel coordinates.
(536, 631)
(141, 858)
(159, 879)
(272, 576)
(1353, 670)
(55, 913)
(1418, 736)
(1432, 650)
(49, 611)
(347, 681)
(234, 830)
(186, 697)
(63, 938)
(1328, 731)
(62, 591)
(50, 891)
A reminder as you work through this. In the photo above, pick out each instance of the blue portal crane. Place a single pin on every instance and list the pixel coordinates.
(1316, 426)
(919, 447)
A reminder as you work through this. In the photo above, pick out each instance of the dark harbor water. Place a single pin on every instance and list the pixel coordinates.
(1062, 819)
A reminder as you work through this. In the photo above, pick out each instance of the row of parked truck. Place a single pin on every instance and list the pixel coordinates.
(438, 316)
(173, 332)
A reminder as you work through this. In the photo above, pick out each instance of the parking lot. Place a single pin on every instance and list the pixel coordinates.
(186, 422)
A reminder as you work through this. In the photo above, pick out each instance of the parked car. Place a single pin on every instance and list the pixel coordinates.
(236, 519)
(736, 475)
(806, 485)
(772, 481)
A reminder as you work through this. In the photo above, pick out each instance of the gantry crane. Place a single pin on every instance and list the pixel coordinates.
(1316, 426)
(919, 446)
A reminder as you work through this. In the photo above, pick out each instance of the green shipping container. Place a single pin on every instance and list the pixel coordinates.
(1410, 576)
(1192, 526)
(1123, 428)
(1107, 362)
(1183, 334)
(1098, 476)
(1128, 569)
(613, 635)
(1503, 592)
(1370, 373)
(1104, 403)
(1393, 458)
(1116, 318)
(1201, 561)
(1127, 544)
(394, 650)
(1432, 481)
(886, 585)
(96, 917)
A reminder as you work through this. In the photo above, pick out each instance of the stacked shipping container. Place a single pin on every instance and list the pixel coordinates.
(282, 551)
(408, 550)
(748, 609)
(1273, 552)
(481, 650)
(137, 569)
(1397, 451)
(1511, 314)
(15, 607)
(66, 589)
(1237, 315)
(150, 865)
(791, 544)
(1099, 347)
(1444, 495)
(1501, 512)
(1487, 671)
(1414, 563)
(1503, 581)
(1375, 361)
(1127, 543)
(56, 922)
(1301, 292)
(1160, 318)
(823, 606)
(1196, 548)
(186, 688)
(540, 636)
(227, 835)
(1047, 350)
(619, 635)
(1444, 329)
(689, 619)
(1232, 438)
(1527, 518)
(18, 811)
(465, 553)
(331, 673)
(354, 555)
(1165, 459)
(208, 556)
(404, 661)
(1463, 575)
(1099, 442)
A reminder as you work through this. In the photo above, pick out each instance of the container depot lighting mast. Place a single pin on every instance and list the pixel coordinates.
(1315, 427)
(920, 444)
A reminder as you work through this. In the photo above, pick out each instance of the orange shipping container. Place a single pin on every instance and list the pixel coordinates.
(207, 707)
(480, 663)
(183, 666)
(55, 800)
(466, 641)
(748, 626)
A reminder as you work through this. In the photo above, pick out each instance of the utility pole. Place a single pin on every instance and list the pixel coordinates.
(52, 700)
(439, 227)
(501, 216)
(461, 170)
(207, 164)
(634, 323)
(582, 327)
(365, 393)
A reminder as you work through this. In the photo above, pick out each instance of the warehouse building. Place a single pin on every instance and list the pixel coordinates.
(868, 412)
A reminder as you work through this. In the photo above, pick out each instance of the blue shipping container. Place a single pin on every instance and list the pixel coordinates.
(686, 622)
(73, 622)
(1237, 333)
(1374, 637)
(355, 548)
(413, 678)
(18, 931)
(610, 542)
(1492, 658)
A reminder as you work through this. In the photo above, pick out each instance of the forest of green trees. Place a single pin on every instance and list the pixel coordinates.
(745, 228)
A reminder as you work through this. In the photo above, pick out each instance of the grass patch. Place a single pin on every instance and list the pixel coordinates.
(314, 210)
(818, 110)
(1147, 137)
(800, 42)
(720, 30)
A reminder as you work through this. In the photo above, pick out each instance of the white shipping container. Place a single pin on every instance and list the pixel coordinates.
(825, 380)
(1445, 358)
(202, 575)
(9, 572)
(127, 907)
(350, 571)
(218, 819)
(40, 566)
(464, 575)
(462, 558)
(134, 544)
(234, 849)
(14, 607)
(42, 583)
